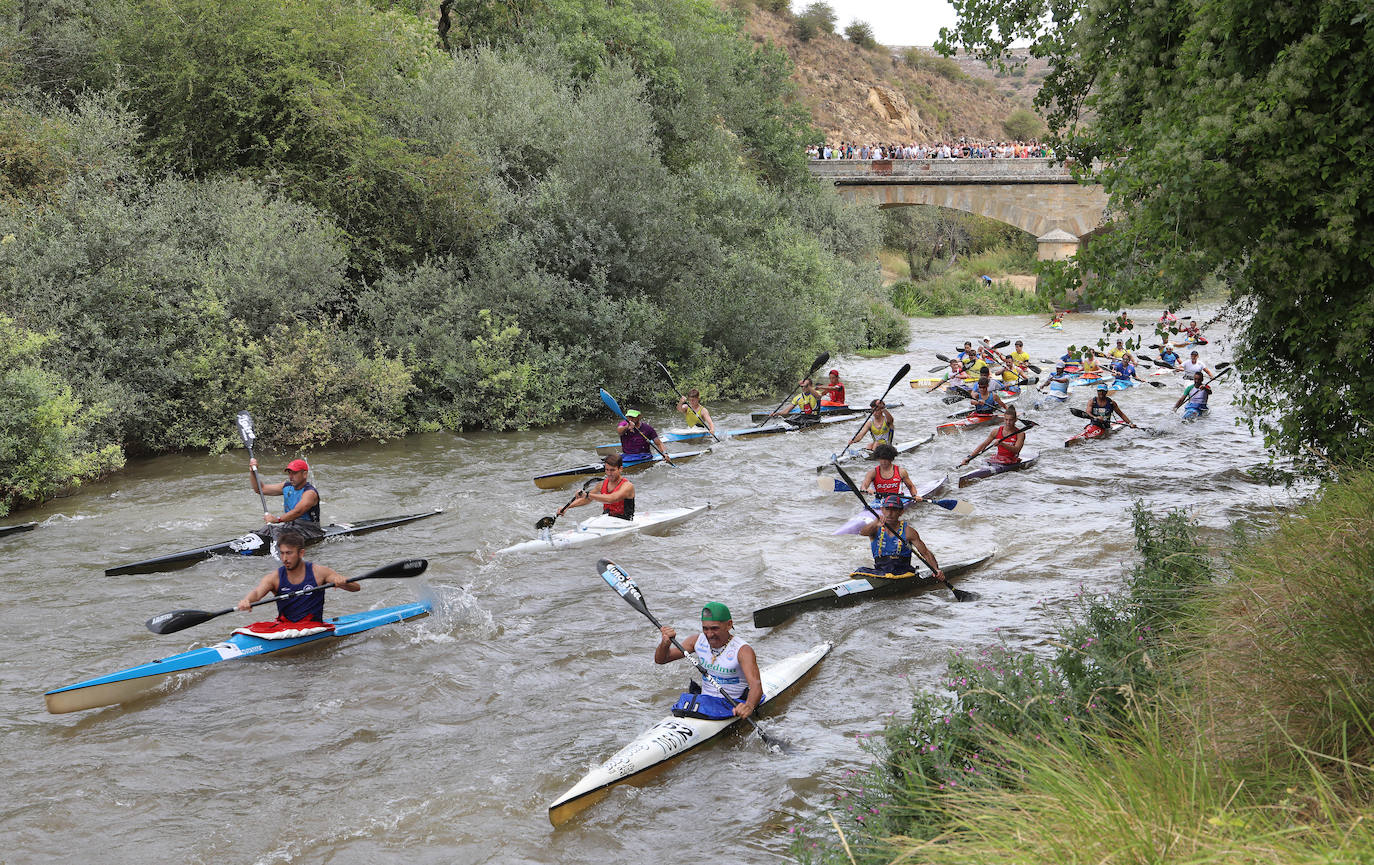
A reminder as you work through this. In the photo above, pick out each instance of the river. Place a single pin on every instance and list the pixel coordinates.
(444, 740)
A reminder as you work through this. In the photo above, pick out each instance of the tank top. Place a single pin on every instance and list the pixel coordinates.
(625, 508)
(691, 418)
(1197, 396)
(881, 432)
(887, 545)
(291, 497)
(299, 609)
(723, 665)
(1004, 452)
(835, 396)
(1101, 413)
(806, 403)
(983, 403)
(887, 486)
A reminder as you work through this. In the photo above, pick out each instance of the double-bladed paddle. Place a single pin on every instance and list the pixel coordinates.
(1013, 434)
(955, 506)
(673, 385)
(180, 620)
(547, 522)
(959, 594)
(616, 577)
(821, 359)
(615, 408)
(901, 374)
(245, 423)
(1210, 380)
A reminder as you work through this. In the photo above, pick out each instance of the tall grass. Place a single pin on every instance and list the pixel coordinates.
(1190, 718)
(960, 290)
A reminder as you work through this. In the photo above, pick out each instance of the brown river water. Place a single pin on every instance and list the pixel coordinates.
(444, 740)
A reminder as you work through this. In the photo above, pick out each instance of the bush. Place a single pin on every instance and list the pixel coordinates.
(1023, 125)
(46, 441)
(859, 33)
(924, 61)
(820, 16)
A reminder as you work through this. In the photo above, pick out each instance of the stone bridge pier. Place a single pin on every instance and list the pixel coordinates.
(1031, 194)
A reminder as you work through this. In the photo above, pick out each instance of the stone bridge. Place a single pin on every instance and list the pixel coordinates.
(1034, 195)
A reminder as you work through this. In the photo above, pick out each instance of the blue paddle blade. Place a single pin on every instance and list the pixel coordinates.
(947, 504)
(611, 403)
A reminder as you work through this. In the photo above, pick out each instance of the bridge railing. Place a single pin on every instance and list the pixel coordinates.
(942, 170)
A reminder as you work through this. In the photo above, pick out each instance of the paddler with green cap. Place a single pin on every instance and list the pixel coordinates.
(729, 663)
(636, 436)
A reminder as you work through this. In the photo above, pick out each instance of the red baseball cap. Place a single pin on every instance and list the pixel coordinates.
(298, 466)
(834, 372)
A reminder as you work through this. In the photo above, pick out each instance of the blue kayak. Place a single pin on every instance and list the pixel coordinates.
(134, 682)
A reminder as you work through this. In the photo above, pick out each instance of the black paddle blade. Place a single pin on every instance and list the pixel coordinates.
(936, 369)
(901, 374)
(941, 357)
(1078, 412)
(821, 360)
(961, 595)
(952, 399)
(245, 424)
(1003, 344)
(180, 620)
(544, 523)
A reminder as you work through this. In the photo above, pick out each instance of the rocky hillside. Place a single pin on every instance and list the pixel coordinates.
(877, 95)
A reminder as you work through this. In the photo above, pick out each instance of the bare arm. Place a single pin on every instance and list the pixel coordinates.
(325, 574)
(749, 666)
(665, 652)
(309, 499)
(266, 586)
(929, 557)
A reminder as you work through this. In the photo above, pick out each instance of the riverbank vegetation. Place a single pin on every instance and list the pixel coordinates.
(1217, 709)
(316, 212)
(938, 259)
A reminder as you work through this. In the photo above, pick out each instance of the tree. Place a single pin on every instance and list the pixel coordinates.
(1023, 125)
(860, 34)
(819, 16)
(1235, 141)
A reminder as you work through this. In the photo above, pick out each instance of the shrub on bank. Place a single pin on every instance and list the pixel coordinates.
(960, 293)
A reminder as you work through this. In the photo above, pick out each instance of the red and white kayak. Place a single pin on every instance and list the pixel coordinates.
(992, 467)
(1090, 432)
(969, 422)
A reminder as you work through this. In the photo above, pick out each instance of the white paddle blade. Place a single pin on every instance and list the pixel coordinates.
(963, 508)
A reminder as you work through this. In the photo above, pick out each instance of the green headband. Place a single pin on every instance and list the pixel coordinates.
(715, 612)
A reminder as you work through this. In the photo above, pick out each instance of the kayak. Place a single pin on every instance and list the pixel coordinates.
(857, 452)
(926, 382)
(254, 544)
(137, 681)
(1112, 383)
(964, 423)
(562, 477)
(825, 410)
(1056, 325)
(1086, 378)
(671, 738)
(991, 468)
(681, 434)
(604, 527)
(1059, 396)
(865, 584)
(14, 530)
(784, 426)
(1090, 432)
(925, 490)
(1193, 412)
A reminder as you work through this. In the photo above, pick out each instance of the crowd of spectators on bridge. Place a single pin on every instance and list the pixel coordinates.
(961, 149)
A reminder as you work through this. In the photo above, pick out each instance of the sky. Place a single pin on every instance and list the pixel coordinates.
(905, 22)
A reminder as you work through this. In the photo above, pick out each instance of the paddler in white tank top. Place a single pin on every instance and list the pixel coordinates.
(727, 658)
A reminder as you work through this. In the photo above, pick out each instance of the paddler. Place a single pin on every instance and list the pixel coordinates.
(1089, 366)
(1119, 351)
(1009, 440)
(1019, 356)
(832, 392)
(694, 413)
(807, 404)
(1124, 368)
(967, 354)
(1101, 407)
(880, 424)
(636, 436)
(300, 501)
(893, 540)
(984, 396)
(1194, 365)
(1168, 356)
(887, 479)
(1196, 395)
(616, 494)
(1059, 381)
(302, 615)
(729, 665)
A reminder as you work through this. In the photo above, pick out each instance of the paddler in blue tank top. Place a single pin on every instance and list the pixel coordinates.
(892, 540)
(985, 399)
(300, 501)
(730, 661)
(294, 574)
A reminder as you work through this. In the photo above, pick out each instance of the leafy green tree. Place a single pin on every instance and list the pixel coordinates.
(861, 34)
(819, 15)
(1236, 144)
(1022, 125)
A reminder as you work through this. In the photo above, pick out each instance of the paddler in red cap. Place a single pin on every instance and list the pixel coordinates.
(730, 665)
(300, 501)
(893, 540)
(832, 392)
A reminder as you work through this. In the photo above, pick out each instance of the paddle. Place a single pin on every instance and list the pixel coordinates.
(245, 422)
(821, 359)
(901, 374)
(1013, 434)
(957, 506)
(547, 522)
(615, 408)
(959, 594)
(937, 368)
(1078, 412)
(673, 385)
(616, 577)
(180, 620)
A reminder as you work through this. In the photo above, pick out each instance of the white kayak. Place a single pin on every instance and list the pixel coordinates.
(672, 737)
(604, 528)
(925, 489)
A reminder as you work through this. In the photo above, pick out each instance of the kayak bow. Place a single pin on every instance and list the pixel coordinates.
(604, 527)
